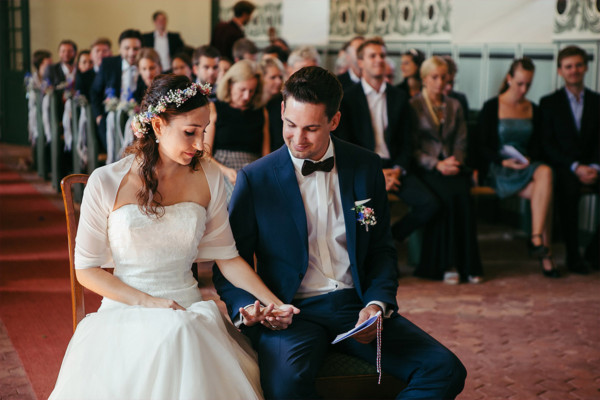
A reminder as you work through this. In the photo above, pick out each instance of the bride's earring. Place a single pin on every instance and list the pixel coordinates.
(156, 140)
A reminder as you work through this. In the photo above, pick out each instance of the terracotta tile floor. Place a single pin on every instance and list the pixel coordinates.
(520, 335)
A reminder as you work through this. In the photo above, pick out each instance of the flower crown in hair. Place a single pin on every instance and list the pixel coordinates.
(140, 122)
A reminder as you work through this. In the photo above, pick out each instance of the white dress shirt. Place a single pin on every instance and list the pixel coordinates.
(377, 102)
(355, 78)
(161, 45)
(328, 261)
(69, 75)
(129, 77)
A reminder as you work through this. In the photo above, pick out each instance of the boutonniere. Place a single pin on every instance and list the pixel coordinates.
(364, 215)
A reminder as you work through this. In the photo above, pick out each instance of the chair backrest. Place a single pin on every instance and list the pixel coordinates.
(77, 300)
(75, 112)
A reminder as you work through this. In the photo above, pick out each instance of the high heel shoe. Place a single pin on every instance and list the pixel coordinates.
(549, 273)
(537, 250)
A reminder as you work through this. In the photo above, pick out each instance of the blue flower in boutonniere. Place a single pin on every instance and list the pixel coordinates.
(364, 215)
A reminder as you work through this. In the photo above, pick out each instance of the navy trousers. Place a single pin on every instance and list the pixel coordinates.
(290, 359)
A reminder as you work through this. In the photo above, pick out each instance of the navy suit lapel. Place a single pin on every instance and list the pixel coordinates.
(345, 169)
(588, 112)
(391, 107)
(365, 116)
(289, 189)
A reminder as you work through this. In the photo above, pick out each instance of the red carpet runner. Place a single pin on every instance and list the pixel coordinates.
(35, 303)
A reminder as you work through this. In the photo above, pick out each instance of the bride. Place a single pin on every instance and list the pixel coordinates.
(150, 216)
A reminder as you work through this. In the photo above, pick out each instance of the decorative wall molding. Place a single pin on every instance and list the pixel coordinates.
(577, 19)
(394, 20)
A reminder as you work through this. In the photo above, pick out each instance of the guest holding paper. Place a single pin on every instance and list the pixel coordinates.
(571, 121)
(450, 249)
(510, 149)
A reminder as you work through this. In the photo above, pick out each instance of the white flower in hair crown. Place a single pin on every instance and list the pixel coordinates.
(141, 121)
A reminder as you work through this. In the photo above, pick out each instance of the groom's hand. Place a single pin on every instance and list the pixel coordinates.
(367, 335)
(255, 314)
(281, 317)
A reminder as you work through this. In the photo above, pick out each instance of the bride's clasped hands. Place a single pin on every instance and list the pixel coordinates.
(272, 317)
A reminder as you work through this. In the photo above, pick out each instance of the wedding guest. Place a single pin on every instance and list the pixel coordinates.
(276, 52)
(149, 216)
(298, 219)
(449, 89)
(571, 126)
(224, 64)
(341, 62)
(226, 33)
(118, 77)
(303, 56)
(511, 120)
(166, 44)
(41, 59)
(63, 72)
(450, 250)
(149, 66)
(207, 67)
(99, 50)
(84, 61)
(244, 49)
(410, 64)
(239, 129)
(182, 65)
(352, 75)
(281, 43)
(376, 116)
(390, 71)
(272, 72)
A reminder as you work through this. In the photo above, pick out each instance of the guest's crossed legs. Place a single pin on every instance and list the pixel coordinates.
(290, 359)
(423, 203)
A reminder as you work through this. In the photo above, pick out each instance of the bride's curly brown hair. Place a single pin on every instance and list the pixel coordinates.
(146, 148)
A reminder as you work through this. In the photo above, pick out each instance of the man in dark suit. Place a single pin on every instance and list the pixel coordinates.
(166, 44)
(376, 116)
(63, 72)
(206, 67)
(296, 210)
(99, 50)
(117, 77)
(226, 33)
(352, 75)
(571, 129)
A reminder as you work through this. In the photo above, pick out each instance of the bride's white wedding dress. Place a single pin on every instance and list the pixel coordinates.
(132, 352)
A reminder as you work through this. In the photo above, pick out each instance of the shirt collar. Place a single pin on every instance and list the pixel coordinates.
(124, 65)
(572, 97)
(299, 161)
(158, 35)
(368, 89)
(353, 76)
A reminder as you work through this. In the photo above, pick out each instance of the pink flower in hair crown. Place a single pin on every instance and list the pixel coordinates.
(141, 121)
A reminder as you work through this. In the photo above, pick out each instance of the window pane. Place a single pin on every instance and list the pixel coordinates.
(17, 18)
(18, 39)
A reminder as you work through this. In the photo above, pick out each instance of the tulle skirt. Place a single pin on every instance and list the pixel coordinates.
(150, 353)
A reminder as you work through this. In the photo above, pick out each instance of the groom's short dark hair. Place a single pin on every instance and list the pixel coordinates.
(315, 85)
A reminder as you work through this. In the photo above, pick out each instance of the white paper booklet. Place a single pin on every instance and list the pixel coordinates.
(357, 329)
(511, 152)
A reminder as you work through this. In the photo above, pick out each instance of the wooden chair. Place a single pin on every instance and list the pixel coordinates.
(77, 299)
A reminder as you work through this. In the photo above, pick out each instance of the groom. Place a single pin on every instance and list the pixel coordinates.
(294, 210)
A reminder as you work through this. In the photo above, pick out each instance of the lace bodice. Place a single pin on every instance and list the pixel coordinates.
(155, 255)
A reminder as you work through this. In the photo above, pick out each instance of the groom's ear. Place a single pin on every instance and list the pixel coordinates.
(282, 108)
(335, 121)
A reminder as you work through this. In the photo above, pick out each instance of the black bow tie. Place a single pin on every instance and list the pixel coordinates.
(309, 167)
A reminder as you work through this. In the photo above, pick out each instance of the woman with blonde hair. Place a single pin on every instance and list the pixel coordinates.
(450, 249)
(239, 130)
(273, 75)
(510, 121)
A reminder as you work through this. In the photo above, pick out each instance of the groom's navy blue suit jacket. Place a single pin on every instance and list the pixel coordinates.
(268, 218)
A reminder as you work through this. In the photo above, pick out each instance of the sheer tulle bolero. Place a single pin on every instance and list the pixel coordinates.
(92, 246)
